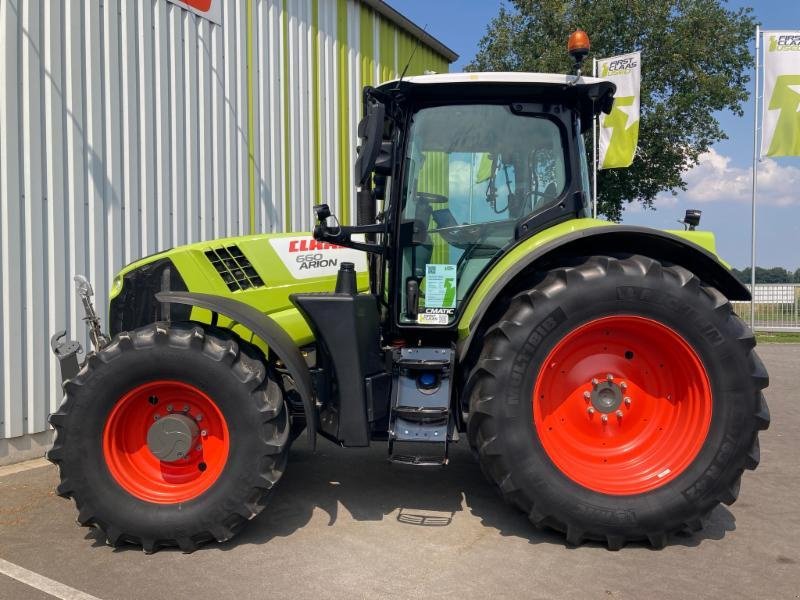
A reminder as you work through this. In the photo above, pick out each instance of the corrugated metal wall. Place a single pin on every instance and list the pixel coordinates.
(129, 127)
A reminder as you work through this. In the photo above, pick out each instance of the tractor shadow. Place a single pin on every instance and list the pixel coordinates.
(360, 484)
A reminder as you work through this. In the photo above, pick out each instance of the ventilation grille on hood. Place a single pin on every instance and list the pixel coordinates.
(234, 268)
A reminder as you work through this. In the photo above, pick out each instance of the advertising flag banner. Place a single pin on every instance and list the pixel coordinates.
(781, 105)
(619, 131)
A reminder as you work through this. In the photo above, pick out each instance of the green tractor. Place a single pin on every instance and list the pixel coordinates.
(597, 370)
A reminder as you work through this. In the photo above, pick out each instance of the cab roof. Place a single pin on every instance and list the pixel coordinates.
(513, 77)
(593, 95)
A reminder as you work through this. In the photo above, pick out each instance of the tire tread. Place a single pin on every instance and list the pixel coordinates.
(218, 345)
(484, 405)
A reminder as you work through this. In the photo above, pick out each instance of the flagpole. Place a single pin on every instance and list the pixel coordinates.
(755, 183)
(595, 141)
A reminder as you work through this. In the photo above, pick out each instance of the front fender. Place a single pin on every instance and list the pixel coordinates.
(267, 330)
(586, 237)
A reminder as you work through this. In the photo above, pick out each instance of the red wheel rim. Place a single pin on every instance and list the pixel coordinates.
(137, 469)
(633, 432)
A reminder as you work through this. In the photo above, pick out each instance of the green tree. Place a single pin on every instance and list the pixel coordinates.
(695, 58)
(743, 276)
(773, 275)
(764, 275)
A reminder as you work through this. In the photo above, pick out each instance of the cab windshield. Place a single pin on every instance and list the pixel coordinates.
(472, 172)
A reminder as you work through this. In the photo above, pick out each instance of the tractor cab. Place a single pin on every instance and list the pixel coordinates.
(464, 166)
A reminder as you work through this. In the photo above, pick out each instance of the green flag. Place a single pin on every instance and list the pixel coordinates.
(484, 171)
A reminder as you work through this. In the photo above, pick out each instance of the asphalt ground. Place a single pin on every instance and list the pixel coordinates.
(345, 524)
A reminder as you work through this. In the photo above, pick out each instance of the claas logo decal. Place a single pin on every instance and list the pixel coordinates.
(312, 258)
(310, 245)
(784, 43)
(622, 66)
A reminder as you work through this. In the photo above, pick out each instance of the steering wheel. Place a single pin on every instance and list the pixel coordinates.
(431, 198)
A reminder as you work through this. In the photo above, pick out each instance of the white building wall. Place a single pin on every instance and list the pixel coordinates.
(124, 131)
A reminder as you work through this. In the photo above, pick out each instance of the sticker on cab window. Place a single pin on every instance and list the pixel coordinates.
(435, 316)
(440, 286)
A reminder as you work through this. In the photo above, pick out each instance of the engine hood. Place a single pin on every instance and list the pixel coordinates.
(261, 270)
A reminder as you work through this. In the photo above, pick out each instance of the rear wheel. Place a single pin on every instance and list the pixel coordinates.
(172, 435)
(619, 399)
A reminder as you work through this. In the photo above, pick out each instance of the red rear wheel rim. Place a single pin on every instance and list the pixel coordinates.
(137, 470)
(633, 433)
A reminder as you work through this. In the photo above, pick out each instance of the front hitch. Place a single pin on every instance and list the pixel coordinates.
(85, 293)
(67, 350)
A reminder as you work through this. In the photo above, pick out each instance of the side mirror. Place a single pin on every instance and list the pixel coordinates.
(379, 186)
(370, 131)
(385, 158)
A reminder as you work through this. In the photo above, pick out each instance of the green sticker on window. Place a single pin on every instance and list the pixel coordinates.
(440, 286)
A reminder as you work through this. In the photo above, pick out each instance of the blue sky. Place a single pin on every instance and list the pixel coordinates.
(719, 186)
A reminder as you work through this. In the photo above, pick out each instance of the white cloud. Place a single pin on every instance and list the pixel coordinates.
(460, 175)
(715, 179)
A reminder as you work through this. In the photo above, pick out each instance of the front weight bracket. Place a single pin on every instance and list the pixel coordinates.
(66, 352)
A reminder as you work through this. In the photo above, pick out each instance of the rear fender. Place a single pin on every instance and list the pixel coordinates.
(267, 330)
(675, 248)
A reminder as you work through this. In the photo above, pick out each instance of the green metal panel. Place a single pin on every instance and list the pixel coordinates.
(345, 144)
(315, 85)
(386, 50)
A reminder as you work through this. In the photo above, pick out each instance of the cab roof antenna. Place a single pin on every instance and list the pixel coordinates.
(411, 56)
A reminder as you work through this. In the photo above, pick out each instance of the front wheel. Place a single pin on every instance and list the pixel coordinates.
(172, 435)
(619, 399)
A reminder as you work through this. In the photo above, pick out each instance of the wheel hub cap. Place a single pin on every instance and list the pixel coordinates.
(606, 397)
(172, 437)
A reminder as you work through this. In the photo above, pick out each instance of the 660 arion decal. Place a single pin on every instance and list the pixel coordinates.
(306, 257)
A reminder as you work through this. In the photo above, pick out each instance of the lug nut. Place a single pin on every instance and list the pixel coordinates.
(198, 447)
(610, 377)
(619, 414)
(186, 408)
(155, 417)
(198, 417)
(590, 410)
(595, 382)
(204, 433)
(627, 402)
(169, 407)
(587, 396)
(623, 386)
(604, 418)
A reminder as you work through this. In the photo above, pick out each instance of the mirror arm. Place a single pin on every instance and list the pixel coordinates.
(341, 236)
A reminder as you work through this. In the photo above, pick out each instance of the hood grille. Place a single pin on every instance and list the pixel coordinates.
(234, 268)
